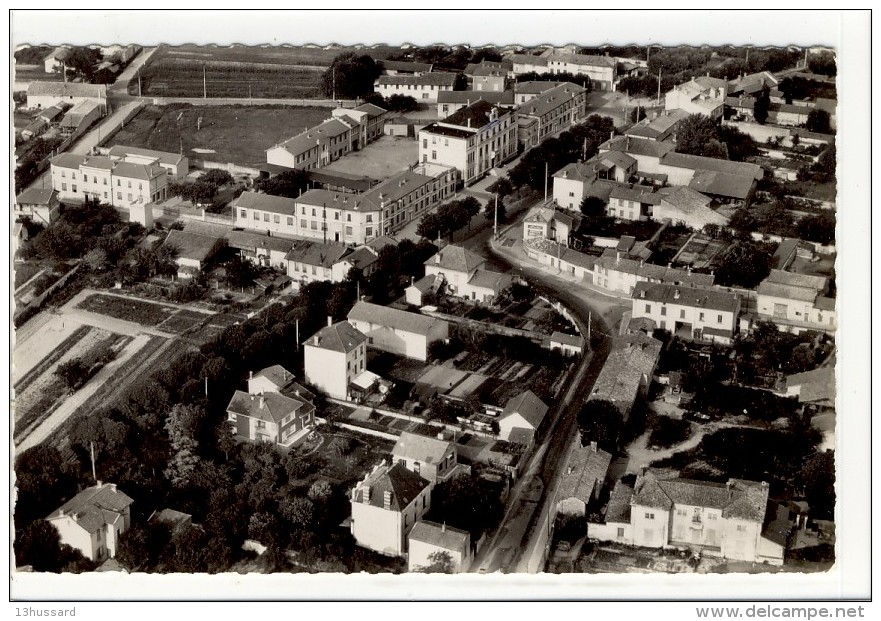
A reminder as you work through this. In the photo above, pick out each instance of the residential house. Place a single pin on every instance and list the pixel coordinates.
(550, 113)
(720, 179)
(404, 67)
(568, 344)
(270, 417)
(434, 459)
(175, 520)
(34, 128)
(602, 70)
(261, 250)
(93, 521)
(719, 519)
(694, 313)
(614, 272)
(796, 302)
(386, 505)
(523, 418)
(273, 215)
(362, 259)
(583, 478)
(308, 261)
(647, 153)
(176, 165)
(575, 181)
(703, 95)
(486, 76)
(192, 251)
(683, 205)
(339, 216)
(473, 140)
(420, 291)
(38, 205)
(48, 94)
(659, 128)
(464, 275)
(616, 525)
(527, 63)
(55, 60)
(430, 538)
(788, 115)
(627, 373)
(752, 84)
(369, 123)
(120, 184)
(333, 357)
(546, 222)
(423, 88)
(524, 91)
(397, 331)
(276, 378)
(632, 203)
(572, 262)
(449, 102)
(79, 118)
(408, 195)
(53, 115)
(815, 387)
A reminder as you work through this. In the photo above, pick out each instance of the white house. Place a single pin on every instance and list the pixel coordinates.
(522, 417)
(423, 88)
(703, 95)
(464, 276)
(397, 331)
(176, 165)
(583, 478)
(386, 505)
(434, 459)
(116, 183)
(693, 313)
(550, 113)
(334, 356)
(796, 302)
(308, 261)
(430, 538)
(93, 520)
(270, 417)
(55, 60)
(38, 205)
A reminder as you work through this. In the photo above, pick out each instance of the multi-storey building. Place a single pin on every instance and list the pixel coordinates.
(550, 112)
(333, 357)
(472, 140)
(423, 88)
(796, 302)
(699, 313)
(93, 520)
(117, 183)
(176, 165)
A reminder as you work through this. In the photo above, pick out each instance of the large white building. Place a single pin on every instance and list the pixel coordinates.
(550, 112)
(703, 95)
(699, 313)
(333, 357)
(428, 539)
(472, 140)
(93, 520)
(796, 302)
(176, 165)
(114, 182)
(397, 331)
(423, 88)
(48, 94)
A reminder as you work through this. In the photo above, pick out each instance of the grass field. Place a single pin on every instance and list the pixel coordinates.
(24, 272)
(380, 159)
(127, 309)
(239, 134)
(265, 71)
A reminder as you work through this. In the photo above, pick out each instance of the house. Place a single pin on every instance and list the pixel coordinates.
(308, 261)
(574, 182)
(53, 115)
(434, 459)
(752, 84)
(430, 538)
(692, 313)
(334, 356)
(815, 387)
(726, 520)
(362, 259)
(192, 250)
(55, 60)
(602, 70)
(34, 128)
(399, 126)
(616, 525)
(79, 118)
(386, 505)
(720, 179)
(276, 378)
(397, 331)
(38, 205)
(177, 165)
(703, 95)
(582, 479)
(48, 94)
(418, 292)
(486, 76)
(261, 250)
(423, 88)
(524, 91)
(632, 203)
(93, 520)
(796, 302)
(449, 102)
(550, 113)
(404, 67)
(628, 371)
(274, 215)
(369, 123)
(659, 128)
(546, 222)
(522, 417)
(687, 206)
(473, 140)
(270, 417)
(568, 344)
(175, 520)
(338, 217)
(788, 115)
(464, 276)
(647, 153)
(527, 63)
(120, 184)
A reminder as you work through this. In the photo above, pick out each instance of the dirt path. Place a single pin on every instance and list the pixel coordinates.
(639, 455)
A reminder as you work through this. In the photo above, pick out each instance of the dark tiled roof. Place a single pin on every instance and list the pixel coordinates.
(191, 245)
(269, 407)
(267, 202)
(393, 318)
(94, 507)
(277, 374)
(35, 196)
(67, 89)
(586, 469)
(636, 146)
(316, 253)
(738, 498)
(426, 79)
(467, 97)
(618, 509)
(550, 100)
(697, 297)
(698, 162)
(529, 406)
(421, 448)
(456, 258)
(403, 484)
(474, 116)
(722, 184)
(341, 337)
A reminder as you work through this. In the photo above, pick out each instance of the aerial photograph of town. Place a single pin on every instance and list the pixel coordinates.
(424, 308)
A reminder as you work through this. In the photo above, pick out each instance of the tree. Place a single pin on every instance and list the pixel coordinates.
(401, 103)
(601, 421)
(216, 177)
(495, 210)
(467, 502)
(300, 512)
(431, 226)
(762, 105)
(818, 121)
(824, 168)
(74, 373)
(349, 76)
(698, 135)
(738, 145)
(593, 206)
(39, 546)
(440, 562)
(290, 183)
(823, 64)
(818, 478)
(181, 425)
(744, 264)
(501, 188)
(239, 272)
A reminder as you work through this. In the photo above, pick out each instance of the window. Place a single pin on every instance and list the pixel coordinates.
(313, 213)
(424, 95)
(118, 195)
(129, 184)
(701, 317)
(348, 217)
(719, 319)
(369, 231)
(302, 223)
(313, 271)
(63, 174)
(571, 194)
(336, 215)
(243, 213)
(416, 467)
(302, 211)
(232, 418)
(741, 528)
(290, 221)
(266, 217)
(620, 532)
(130, 196)
(276, 219)
(74, 188)
(663, 311)
(261, 424)
(104, 180)
(648, 308)
(649, 516)
(369, 218)
(434, 155)
(349, 231)
(95, 180)
(105, 195)
(313, 225)
(682, 313)
(64, 189)
(425, 143)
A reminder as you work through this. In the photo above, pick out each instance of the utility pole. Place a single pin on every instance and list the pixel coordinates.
(139, 81)
(333, 81)
(496, 219)
(658, 102)
(206, 386)
(588, 327)
(204, 84)
(298, 334)
(250, 103)
(546, 182)
(92, 452)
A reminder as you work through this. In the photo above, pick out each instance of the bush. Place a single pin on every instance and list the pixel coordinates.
(666, 431)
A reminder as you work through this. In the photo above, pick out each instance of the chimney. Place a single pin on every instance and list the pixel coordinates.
(469, 122)
(365, 494)
(676, 294)
(262, 402)
(642, 293)
(113, 487)
(437, 258)
(386, 500)
(444, 527)
(250, 375)
(329, 320)
(315, 340)
(593, 447)
(100, 484)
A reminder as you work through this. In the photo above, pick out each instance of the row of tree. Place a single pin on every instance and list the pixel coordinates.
(698, 134)
(448, 218)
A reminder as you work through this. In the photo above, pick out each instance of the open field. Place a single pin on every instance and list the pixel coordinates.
(700, 250)
(239, 71)
(380, 159)
(127, 309)
(239, 134)
(24, 272)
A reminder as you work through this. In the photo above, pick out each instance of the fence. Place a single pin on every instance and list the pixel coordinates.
(233, 169)
(487, 327)
(368, 431)
(25, 312)
(818, 248)
(226, 101)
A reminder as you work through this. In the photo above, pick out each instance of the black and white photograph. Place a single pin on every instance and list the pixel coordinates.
(565, 313)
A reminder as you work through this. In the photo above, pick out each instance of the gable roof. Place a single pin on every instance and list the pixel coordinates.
(566, 339)
(67, 89)
(426, 79)
(192, 246)
(590, 60)
(371, 109)
(486, 279)
(396, 187)
(699, 162)
(635, 146)
(316, 253)
(527, 405)
(361, 257)
(528, 59)
(309, 139)
(340, 337)
(456, 259)
(35, 196)
(618, 509)
(165, 157)
(630, 362)
(467, 97)
(534, 87)
(697, 297)
(267, 202)
(277, 374)
(270, 407)
(550, 100)
(421, 448)
(654, 273)
(404, 65)
(816, 386)
(94, 507)
(586, 468)
(722, 184)
(250, 240)
(475, 116)
(440, 535)
(403, 484)
(393, 318)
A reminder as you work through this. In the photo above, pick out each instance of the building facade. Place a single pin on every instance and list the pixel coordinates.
(333, 357)
(694, 313)
(93, 521)
(550, 113)
(397, 331)
(423, 88)
(116, 183)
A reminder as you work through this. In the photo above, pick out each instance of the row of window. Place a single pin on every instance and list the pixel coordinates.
(95, 179)
(648, 309)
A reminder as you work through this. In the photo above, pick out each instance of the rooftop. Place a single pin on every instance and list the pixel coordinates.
(586, 469)
(191, 245)
(249, 240)
(440, 535)
(94, 507)
(529, 406)
(405, 65)
(317, 253)
(477, 115)
(547, 101)
(337, 200)
(312, 138)
(122, 151)
(629, 365)
(698, 162)
(393, 318)
(655, 273)
(534, 87)
(589, 60)
(618, 509)
(402, 485)
(487, 279)
(339, 337)
(35, 196)
(456, 259)
(426, 79)
(67, 89)
(722, 184)
(645, 148)
(276, 374)
(696, 297)
(504, 98)
(421, 448)
(271, 407)
(566, 339)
